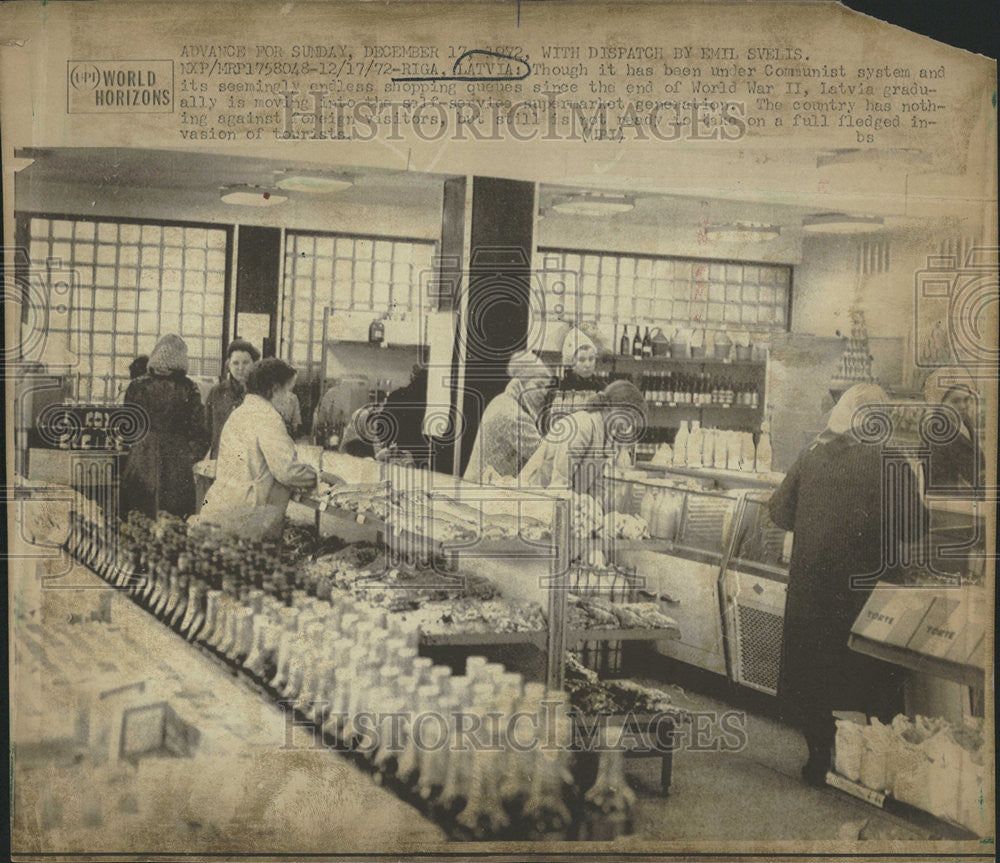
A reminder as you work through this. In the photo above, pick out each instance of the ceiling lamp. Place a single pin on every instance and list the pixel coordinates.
(252, 196)
(840, 223)
(312, 183)
(593, 204)
(743, 232)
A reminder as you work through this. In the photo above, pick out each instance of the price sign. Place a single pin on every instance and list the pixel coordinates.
(90, 427)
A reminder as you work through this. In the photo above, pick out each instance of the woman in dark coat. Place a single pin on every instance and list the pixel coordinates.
(832, 499)
(158, 472)
(228, 395)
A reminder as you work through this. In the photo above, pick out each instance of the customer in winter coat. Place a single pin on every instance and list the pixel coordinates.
(956, 463)
(257, 468)
(832, 499)
(508, 431)
(158, 472)
(614, 416)
(228, 395)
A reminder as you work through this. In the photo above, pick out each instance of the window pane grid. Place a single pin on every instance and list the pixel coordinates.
(349, 273)
(664, 291)
(122, 299)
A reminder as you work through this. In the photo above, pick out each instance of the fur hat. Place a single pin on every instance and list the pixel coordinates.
(169, 355)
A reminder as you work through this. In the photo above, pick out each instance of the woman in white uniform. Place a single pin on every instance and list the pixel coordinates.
(257, 468)
(508, 431)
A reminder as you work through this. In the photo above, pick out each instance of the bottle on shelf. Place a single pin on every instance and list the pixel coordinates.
(681, 444)
(708, 439)
(647, 345)
(720, 456)
(694, 445)
(747, 454)
(376, 332)
(763, 455)
(637, 344)
(625, 346)
(733, 451)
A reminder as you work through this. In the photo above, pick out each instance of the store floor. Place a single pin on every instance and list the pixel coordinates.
(752, 794)
(255, 783)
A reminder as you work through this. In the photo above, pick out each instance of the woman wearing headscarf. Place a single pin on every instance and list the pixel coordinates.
(614, 416)
(228, 395)
(158, 472)
(579, 357)
(578, 383)
(257, 468)
(509, 429)
(956, 462)
(832, 499)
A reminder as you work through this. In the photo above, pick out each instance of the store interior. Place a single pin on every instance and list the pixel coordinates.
(762, 302)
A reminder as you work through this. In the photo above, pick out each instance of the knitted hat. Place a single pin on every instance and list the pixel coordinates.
(169, 355)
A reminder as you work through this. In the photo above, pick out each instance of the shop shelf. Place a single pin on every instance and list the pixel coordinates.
(631, 364)
(660, 634)
(535, 637)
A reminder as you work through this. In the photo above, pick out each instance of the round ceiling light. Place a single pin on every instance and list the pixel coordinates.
(841, 223)
(251, 196)
(743, 232)
(593, 204)
(312, 183)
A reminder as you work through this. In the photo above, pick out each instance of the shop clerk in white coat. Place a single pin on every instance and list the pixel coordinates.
(257, 468)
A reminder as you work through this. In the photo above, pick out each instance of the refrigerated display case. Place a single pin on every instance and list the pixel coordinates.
(691, 529)
(754, 582)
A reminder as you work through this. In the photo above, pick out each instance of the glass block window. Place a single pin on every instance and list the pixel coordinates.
(349, 273)
(664, 291)
(131, 284)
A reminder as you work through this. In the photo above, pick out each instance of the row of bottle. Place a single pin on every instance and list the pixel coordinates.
(698, 389)
(856, 367)
(653, 439)
(353, 671)
(639, 347)
(723, 449)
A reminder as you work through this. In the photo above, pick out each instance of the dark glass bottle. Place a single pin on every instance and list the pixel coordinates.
(624, 346)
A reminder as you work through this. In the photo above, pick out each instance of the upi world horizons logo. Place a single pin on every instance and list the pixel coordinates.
(119, 86)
